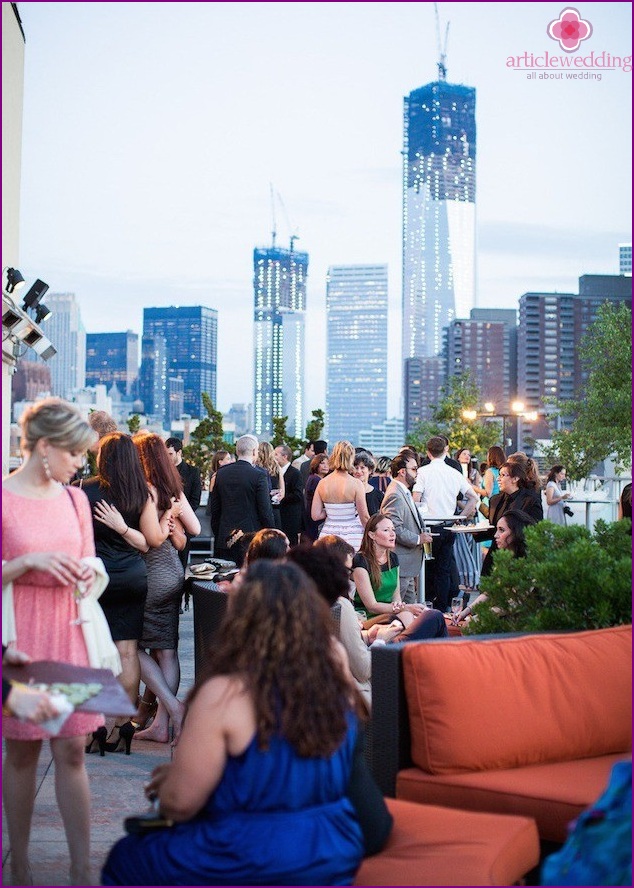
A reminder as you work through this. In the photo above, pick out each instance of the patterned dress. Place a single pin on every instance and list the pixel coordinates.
(44, 609)
(165, 579)
(342, 520)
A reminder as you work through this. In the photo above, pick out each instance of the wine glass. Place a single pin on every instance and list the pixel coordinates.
(78, 593)
(429, 605)
(456, 606)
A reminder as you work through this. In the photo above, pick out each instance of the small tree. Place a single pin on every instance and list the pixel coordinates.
(603, 418)
(569, 580)
(460, 393)
(133, 423)
(315, 427)
(281, 436)
(207, 437)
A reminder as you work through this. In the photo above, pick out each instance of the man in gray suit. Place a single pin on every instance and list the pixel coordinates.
(399, 506)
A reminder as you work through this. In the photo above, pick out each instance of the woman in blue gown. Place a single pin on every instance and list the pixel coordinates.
(257, 788)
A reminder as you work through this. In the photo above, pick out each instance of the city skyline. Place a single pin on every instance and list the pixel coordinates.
(151, 184)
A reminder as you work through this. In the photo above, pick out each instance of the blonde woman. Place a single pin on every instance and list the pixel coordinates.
(46, 532)
(340, 498)
(266, 460)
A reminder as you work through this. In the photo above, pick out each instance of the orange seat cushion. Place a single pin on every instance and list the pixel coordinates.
(438, 846)
(509, 703)
(552, 794)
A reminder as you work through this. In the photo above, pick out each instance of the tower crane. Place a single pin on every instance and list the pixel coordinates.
(442, 47)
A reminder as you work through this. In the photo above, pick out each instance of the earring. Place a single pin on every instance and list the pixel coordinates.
(47, 468)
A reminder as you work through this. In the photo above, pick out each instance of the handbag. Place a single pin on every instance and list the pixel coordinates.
(483, 508)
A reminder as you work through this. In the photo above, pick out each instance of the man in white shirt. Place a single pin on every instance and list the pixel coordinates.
(437, 486)
(308, 454)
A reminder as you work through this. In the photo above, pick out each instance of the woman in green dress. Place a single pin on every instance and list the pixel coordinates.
(375, 573)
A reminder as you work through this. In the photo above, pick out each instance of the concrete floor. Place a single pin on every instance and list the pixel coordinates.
(116, 783)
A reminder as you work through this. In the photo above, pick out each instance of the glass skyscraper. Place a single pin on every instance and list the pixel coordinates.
(112, 357)
(279, 299)
(191, 344)
(67, 333)
(439, 189)
(356, 382)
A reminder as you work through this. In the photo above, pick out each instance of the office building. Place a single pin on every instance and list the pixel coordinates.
(279, 309)
(439, 192)
(423, 380)
(486, 346)
(31, 380)
(113, 357)
(153, 378)
(191, 342)
(356, 362)
(66, 332)
(625, 259)
(383, 439)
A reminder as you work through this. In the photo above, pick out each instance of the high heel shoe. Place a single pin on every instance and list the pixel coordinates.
(139, 722)
(126, 733)
(99, 737)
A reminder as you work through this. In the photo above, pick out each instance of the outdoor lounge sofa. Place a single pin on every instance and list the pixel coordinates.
(528, 725)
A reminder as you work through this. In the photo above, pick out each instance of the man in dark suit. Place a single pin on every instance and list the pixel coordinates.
(192, 484)
(291, 504)
(240, 498)
(304, 469)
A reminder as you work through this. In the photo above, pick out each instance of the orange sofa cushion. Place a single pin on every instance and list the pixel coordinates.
(438, 846)
(552, 794)
(508, 703)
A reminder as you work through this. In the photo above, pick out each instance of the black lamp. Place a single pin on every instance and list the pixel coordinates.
(14, 280)
(42, 313)
(35, 295)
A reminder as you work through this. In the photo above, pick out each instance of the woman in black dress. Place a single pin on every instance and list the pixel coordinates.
(125, 525)
(364, 465)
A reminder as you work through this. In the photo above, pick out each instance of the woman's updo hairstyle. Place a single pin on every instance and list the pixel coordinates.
(59, 422)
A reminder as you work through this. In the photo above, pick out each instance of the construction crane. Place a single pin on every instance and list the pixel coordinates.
(292, 228)
(442, 47)
(274, 230)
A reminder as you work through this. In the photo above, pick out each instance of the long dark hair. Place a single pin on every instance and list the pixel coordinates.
(159, 469)
(368, 551)
(554, 471)
(518, 521)
(277, 637)
(495, 456)
(119, 470)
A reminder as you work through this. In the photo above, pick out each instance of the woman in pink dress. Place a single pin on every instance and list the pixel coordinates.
(46, 531)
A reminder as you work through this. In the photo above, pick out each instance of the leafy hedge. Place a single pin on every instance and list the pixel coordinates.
(570, 579)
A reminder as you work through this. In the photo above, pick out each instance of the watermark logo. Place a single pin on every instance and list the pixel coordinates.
(569, 29)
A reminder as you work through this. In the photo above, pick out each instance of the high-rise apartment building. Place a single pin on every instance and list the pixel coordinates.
(625, 259)
(356, 369)
(551, 325)
(439, 191)
(112, 357)
(191, 341)
(486, 346)
(279, 309)
(66, 331)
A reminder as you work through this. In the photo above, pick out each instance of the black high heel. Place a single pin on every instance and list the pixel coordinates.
(99, 737)
(126, 733)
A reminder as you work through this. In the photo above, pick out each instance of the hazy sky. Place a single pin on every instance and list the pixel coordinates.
(152, 131)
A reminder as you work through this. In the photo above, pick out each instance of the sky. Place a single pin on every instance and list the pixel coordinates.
(152, 133)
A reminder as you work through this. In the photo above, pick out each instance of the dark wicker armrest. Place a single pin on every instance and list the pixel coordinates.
(389, 746)
(209, 609)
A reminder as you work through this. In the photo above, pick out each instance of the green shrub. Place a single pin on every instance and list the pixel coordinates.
(569, 580)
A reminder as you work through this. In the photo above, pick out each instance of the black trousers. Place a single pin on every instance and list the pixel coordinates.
(442, 550)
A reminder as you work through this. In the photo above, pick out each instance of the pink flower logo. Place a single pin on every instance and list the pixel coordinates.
(569, 29)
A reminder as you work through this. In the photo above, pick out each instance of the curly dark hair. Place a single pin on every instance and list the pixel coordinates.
(119, 470)
(159, 469)
(276, 636)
